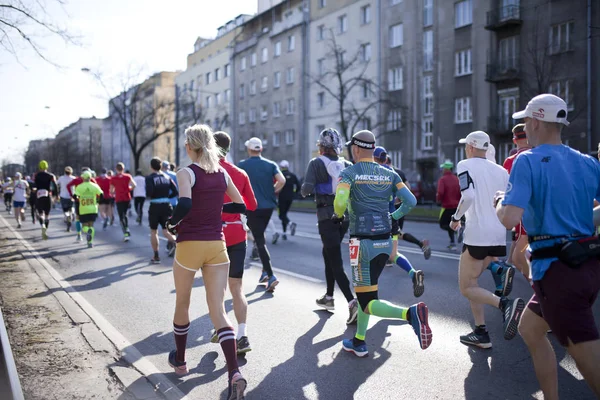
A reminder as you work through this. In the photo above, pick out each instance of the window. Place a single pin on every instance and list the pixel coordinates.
(276, 79)
(264, 85)
(290, 75)
(291, 43)
(291, 106)
(508, 53)
(252, 87)
(321, 66)
(276, 109)
(207, 78)
(395, 81)
(322, 3)
(427, 134)
(560, 37)
(342, 23)
(217, 74)
(427, 95)
(365, 52)
(366, 90)
(463, 13)
(226, 70)
(241, 118)
(264, 114)
(564, 90)
(365, 123)
(243, 64)
(207, 104)
(394, 120)
(365, 15)
(396, 35)
(289, 137)
(320, 128)
(394, 2)
(321, 99)
(242, 91)
(276, 139)
(264, 55)
(427, 13)
(459, 154)
(508, 101)
(217, 99)
(428, 50)
(253, 59)
(462, 63)
(321, 32)
(462, 110)
(277, 51)
(226, 95)
(252, 115)
(342, 58)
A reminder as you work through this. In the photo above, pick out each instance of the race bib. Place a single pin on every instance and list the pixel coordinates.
(354, 251)
(42, 193)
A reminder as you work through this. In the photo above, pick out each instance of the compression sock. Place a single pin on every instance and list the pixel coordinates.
(78, 227)
(496, 269)
(92, 232)
(86, 229)
(46, 223)
(229, 346)
(385, 309)
(181, 332)
(403, 263)
(241, 330)
(362, 323)
(411, 239)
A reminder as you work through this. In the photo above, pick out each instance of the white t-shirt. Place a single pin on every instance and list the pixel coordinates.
(20, 190)
(140, 186)
(63, 181)
(482, 178)
(8, 187)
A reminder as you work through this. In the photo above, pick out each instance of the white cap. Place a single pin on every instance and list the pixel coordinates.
(284, 164)
(545, 107)
(254, 143)
(490, 154)
(478, 139)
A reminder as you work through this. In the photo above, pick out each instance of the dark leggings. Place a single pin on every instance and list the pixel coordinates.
(122, 207)
(284, 208)
(332, 235)
(257, 222)
(445, 220)
(139, 205)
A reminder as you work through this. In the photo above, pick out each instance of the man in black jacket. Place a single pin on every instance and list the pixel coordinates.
(286, 197)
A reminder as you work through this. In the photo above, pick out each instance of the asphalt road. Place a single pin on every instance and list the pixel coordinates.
(297, 347)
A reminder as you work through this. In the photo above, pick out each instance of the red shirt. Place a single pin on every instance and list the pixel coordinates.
(77, 181)
(508, 163)
(121, 184)
(448, 190)
(234, 228)
(104, 183)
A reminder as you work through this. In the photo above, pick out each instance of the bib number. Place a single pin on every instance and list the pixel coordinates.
(87, 202)
(354, 251)
(42, 193)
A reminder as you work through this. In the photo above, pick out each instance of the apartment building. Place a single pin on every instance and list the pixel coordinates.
(269, 69)
(78, 145)
(204, 93)
(37, 150)
(344, 52)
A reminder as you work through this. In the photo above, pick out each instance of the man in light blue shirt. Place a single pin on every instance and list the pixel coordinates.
(173, 176)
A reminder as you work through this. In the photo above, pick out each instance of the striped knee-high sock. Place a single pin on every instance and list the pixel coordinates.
(180, 332)
(229, 345)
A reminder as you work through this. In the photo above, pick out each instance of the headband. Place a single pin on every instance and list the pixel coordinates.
(362, 143)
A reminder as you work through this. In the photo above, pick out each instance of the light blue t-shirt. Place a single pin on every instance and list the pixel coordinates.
(556, 186)
(173, 176)
(262, 173)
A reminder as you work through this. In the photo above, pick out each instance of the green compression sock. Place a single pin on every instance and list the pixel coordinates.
(384, 309)
(362, 323)
(93, 232)
(85, 229)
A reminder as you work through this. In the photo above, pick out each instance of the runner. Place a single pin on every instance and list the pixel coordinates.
(159, 187)
(31, 198)
(321, 178)
(448, 195)
(139, 195)
(485, 238)
(201, 245)
(21, 189)
(88, 194)
(122, 185)
(107, 201)
(45, 186)
(8, 190)
(71, 188)
(66, 201)
(286, 197)
(551, 190)
(365, 188)
(262, 172)
(235, 238)
(166, 169)
(516, 255)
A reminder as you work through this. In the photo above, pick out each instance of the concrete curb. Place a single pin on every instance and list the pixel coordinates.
(12, 386)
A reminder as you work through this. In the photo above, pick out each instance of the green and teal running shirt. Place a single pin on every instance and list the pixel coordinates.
(371, 187)
(88, 194)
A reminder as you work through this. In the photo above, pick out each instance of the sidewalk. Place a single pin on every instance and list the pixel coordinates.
(59, 352)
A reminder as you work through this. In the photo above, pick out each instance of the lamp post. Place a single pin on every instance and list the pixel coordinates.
(177, 159)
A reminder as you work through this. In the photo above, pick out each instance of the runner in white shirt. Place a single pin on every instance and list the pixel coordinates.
(66, 201)
(21, 189)
(8, 190)
(484, 238)
(139, 195)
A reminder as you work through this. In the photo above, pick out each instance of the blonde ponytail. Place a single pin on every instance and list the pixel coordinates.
(201, 140)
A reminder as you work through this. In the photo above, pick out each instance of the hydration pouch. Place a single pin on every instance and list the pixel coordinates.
(373, 224)
(576, 252)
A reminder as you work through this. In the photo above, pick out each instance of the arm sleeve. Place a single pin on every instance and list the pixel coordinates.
(342, 193)
(248, 195)
(70, 187)
(181, 209)
(520, 184)
(467, 190)
(310, 180)
(404, 194)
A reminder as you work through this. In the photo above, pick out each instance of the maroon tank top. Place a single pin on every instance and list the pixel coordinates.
(203, 221)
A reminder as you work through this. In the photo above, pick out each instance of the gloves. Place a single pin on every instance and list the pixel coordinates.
(337, 219)
(172, 228)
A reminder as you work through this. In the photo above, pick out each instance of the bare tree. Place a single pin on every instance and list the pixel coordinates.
(23, 22)
(193, 112)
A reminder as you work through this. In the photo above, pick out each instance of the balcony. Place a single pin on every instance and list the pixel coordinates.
(499, 70)
(503, 17)
(500, 124)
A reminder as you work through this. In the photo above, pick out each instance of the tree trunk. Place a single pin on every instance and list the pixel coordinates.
(136, 161)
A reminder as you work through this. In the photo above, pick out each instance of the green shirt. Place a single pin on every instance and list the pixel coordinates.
(88, 193)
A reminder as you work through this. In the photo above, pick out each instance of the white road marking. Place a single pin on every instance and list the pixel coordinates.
(132, 355)
(295, 275)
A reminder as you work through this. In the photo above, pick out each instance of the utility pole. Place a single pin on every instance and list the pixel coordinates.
(177, 125)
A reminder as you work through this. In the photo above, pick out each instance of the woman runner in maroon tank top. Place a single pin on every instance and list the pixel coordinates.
(200, 245)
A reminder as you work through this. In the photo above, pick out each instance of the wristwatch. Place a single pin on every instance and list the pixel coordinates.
(454, 219)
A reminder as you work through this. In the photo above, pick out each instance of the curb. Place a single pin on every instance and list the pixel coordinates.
(8, 366)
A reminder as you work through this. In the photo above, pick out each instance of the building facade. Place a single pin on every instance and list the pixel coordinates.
(37, 150)
(78, 145)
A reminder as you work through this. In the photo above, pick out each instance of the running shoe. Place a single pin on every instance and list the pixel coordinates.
(79, 237)
(263, 277)
(451, 247)
(237, 386)
(44, 234)
(359, 351)
(419, 321)
(272, 282)
(126, 236)
(418, 283)
(513, 310)
(214, 337)
(293, 229)
(138, 220)
(243, 345)
(326, 303)
(179, 367)
(172, 250)
(275, 238)
(105, 224)
(506, 277)
(69, 226)
(18, 225)
(475, 339)
(426, 249)
(90, 245)
(353, 309)
(284, 236)
(155, 260)
(390, 263)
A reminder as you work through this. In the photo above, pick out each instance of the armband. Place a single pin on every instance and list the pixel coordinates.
(465, 180)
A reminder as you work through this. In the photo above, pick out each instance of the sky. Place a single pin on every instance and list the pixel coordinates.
(38, 99)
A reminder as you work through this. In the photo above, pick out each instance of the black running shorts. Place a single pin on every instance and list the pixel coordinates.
(43, 205)
(86, 218)
(481, 252)
(237, 256)
(158, 214)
